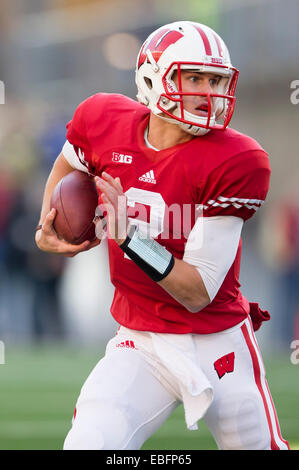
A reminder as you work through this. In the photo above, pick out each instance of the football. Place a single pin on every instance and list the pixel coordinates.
(75, 199)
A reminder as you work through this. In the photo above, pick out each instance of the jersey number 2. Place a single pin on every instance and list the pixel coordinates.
(146, 209)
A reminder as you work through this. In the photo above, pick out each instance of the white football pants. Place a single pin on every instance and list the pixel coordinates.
(130, 394)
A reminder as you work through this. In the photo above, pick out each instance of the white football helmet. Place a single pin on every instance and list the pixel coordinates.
(185, 45)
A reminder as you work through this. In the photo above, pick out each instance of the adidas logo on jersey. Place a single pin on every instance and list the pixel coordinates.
(126, 344)
(148, 177)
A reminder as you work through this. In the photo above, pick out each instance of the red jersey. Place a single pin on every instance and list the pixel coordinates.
(224, 172)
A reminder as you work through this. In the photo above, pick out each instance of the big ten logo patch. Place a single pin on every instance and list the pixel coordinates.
(225, 364)
(121, 158)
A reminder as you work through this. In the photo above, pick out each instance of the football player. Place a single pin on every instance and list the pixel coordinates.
(189, 183)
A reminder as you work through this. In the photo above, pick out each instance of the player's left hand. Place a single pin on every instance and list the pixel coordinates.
(115, 203)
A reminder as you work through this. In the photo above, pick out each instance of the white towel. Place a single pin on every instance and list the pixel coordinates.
(178, 354)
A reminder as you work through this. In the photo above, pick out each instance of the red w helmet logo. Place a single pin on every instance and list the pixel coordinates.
(225, 364)
(158, 44)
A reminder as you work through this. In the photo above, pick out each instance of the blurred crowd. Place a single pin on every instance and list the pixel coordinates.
(280, 243)
(43, 296)
(29, 305)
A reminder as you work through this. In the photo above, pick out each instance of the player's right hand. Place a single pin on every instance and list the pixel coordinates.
(47, 240)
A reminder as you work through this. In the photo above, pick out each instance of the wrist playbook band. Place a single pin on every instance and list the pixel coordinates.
(149, 255)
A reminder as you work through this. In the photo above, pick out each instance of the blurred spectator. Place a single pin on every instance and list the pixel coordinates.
(7, 197)
(51, 141)
(282, 252)
(30, 279)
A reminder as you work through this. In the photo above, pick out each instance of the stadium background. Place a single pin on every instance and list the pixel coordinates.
(54, 312)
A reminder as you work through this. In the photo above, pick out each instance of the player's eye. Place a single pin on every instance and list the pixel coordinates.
(194, 78)
(214, 81)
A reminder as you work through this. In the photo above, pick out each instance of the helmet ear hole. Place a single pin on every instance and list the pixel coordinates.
(148, 82)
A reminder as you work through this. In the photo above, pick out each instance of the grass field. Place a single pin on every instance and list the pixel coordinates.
(39, 388)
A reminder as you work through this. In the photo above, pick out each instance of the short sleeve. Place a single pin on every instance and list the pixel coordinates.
(238, 187)
(72, 158)
(78, 137)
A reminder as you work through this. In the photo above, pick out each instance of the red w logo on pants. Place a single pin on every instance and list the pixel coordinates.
(225, 364)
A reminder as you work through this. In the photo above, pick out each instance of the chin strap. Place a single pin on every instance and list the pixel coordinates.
(194, 130)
